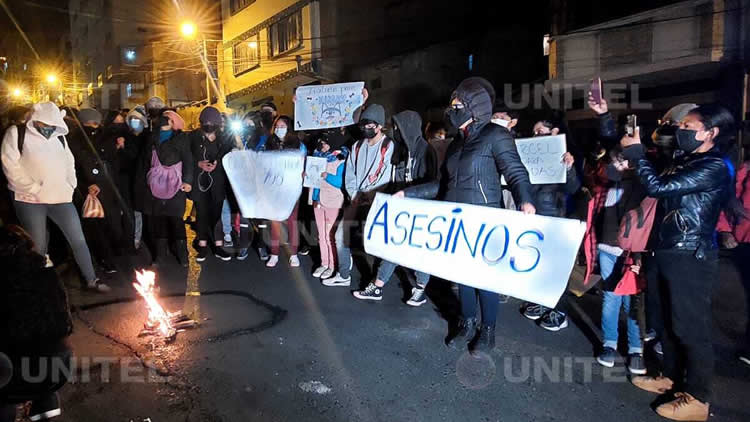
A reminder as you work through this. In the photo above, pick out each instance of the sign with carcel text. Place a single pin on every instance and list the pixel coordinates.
(542, 156)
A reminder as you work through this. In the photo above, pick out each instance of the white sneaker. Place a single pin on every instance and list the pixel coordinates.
(272, 261)
(337, 281)
(319, 271)
(294, 261)
(228, 242)
(418, 297)
(328, 273)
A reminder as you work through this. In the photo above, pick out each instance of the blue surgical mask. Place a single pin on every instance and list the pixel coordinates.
(280, 132)
(46, 131)
(136, 125)
(164, 135)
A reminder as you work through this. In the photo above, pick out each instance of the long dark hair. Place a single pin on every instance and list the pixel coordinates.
(716, 116)
(290, 141)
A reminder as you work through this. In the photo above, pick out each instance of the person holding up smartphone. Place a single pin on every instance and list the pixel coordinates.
(209, 145)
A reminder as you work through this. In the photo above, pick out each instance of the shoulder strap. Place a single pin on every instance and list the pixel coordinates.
(21, 137)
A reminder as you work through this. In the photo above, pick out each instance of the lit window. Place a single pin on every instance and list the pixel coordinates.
(129, 90)
(130, 54)
(99, 80)
(109, 72)
(545, 44)
(286, 34)
(91, 88)
(245, 55)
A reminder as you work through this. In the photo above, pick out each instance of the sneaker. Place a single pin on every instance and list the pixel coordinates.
(607, 357)
(744, 357)
(304, 251)
(45, 408)
(272, 261)
(319, 271)
(228, 242)
(263, 254)
(109, 268)
(98, 286)
(294, 261)
(337, 281)
(242, 254)
(636, 364)
(649, 336)
(554, 321)
(328, 273)
(658, 349)
(202, 253)
(467, 330)
(684, 408)
(222, 254)
(418, 297)
(371, 292)
(534, 311)
(656, 385)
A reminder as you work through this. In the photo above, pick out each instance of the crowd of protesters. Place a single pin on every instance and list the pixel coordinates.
(143, 165)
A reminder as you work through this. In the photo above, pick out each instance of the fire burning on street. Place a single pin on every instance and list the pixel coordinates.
(159, 322)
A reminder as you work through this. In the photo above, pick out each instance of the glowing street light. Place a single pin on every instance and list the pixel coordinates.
(253, 44)
(188, 30)
(17, 93)
(51, 78)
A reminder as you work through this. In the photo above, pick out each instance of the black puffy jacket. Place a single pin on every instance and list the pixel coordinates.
(477, 159)
(549, 199)
(691, 193)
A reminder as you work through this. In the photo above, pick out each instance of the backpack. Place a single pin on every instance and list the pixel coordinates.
(164, 181)
(383, 151)
(636, 225)
(22, 137)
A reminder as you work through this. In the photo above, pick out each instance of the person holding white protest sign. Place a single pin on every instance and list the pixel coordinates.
(420, 166)
(482, 153)
(368, 169)
(284, 138)
(328, 200)
(550, 201)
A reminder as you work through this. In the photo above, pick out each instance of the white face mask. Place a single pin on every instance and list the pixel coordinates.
(280, 132)
(501, 122)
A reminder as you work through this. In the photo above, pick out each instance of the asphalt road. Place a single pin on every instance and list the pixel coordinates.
(275, 345)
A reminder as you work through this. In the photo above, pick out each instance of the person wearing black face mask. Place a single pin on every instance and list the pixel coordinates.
(474, 164)
(691, 196)
(209, 146)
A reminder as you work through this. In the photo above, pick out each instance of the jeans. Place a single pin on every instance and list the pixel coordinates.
(349, 225)
(686, 341)
(325, 220)
(226, 218)
(385, 271)
(292, 229)
(33, 218)
(487, 300)
(611, 309)
(138, 226)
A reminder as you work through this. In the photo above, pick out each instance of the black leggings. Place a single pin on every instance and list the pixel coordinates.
(165, 227)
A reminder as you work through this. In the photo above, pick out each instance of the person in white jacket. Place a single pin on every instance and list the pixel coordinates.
(40, 169)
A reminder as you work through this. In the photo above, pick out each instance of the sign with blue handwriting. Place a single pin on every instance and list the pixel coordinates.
(542, 156)
(327, 106)
(267, 185)
(529, 257)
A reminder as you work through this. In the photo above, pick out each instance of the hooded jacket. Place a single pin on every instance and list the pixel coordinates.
(478, 157)
(421, 160)
(44, 173)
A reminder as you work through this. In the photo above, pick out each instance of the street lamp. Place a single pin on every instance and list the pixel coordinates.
(51, 78)
(17, 93)
(188, 30)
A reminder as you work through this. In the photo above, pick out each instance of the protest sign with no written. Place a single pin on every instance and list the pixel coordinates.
(529, 257)
(542, 157)
(327, 106)
(266, 184)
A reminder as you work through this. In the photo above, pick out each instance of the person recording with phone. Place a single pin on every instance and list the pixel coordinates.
(209, 145)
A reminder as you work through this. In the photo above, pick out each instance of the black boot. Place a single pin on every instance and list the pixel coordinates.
(486, 341)
(467, 330)
(181, 252)
(159, 254)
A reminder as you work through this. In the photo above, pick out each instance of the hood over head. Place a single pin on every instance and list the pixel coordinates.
(478, 96)
(138, 113)
(49, 114)
(409, 124)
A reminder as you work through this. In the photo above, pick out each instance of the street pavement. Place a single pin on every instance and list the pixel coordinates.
(276, 345)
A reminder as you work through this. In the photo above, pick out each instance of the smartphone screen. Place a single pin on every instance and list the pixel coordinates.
(631, 125)
(596, 90)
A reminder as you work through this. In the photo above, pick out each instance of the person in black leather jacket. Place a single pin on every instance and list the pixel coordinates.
(691, 193)
(476, 159)
(550, 201)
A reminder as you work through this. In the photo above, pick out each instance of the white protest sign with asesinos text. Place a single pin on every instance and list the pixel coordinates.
(327, 106)
(529, 257)
(267, 185)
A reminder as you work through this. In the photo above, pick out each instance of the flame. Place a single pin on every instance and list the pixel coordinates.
(157, 316)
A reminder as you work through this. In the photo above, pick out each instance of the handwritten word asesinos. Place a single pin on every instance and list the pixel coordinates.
(448, 235)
